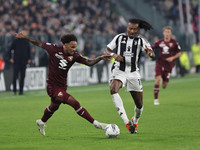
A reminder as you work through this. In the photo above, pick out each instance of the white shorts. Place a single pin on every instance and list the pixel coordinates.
(131, 81)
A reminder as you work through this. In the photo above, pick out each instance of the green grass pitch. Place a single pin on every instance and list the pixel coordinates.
(173, 125)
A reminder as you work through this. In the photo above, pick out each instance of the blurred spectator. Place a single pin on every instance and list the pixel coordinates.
(156, 51)
(195, 27)
(196, 55)
(185, 63)
(2, 63)
(88, 48)
(33, 51)
(48, 19)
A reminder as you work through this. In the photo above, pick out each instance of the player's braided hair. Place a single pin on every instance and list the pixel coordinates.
(142, 24)
(66, 38)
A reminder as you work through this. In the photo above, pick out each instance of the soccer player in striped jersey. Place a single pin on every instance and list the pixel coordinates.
(169, 50)
(125, 71)
(61, 58)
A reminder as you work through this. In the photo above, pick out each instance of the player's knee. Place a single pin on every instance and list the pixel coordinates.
(113, 91)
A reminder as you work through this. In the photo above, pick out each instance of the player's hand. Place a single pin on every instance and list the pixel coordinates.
(106, 57)
(29, 61)
(118, 57)
(19, 35)
(147, 50)
(11, 60)
(169, 59)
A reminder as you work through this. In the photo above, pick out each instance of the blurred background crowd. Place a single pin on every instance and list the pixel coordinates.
(94, 22)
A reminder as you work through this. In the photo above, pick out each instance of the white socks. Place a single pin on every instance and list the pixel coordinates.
(138, 113)
(120, 108)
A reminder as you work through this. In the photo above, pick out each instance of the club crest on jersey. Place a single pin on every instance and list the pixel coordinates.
(135, 42)
(170, 44)
(60, 94)
(70, 58)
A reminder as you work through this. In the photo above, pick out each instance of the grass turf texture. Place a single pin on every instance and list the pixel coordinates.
(174, 124)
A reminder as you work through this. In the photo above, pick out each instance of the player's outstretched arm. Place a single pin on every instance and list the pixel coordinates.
(117, 57)
(32, 40)
(91, 62)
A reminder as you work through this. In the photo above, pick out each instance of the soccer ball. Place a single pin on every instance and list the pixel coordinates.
(112, 131)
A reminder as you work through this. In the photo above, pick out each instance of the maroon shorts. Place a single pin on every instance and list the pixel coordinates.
(164, 72)
(57, 94)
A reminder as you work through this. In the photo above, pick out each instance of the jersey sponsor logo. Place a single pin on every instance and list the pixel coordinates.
(128, 54)
(60, 94)
(60, 53)
(70, 58)
(63, 62)
(165, 50)
(162, 44)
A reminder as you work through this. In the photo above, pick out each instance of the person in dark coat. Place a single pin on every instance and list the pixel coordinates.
(19, 54)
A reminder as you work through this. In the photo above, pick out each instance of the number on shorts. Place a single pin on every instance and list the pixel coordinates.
(139, 81)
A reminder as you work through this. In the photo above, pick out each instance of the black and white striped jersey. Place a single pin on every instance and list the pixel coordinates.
(130, 49)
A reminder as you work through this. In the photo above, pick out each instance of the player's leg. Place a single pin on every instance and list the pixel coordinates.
(15, 76)
(22, 77)
(115, 85)
(48, 112)
(138, 99)
(157, 89)
(84, 113)
(164, 84)
(166, 78)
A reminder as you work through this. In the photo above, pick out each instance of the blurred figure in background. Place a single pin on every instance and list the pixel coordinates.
(196, 55)
(19, 54)
(169, 50)
(2, 63)
(185, 63)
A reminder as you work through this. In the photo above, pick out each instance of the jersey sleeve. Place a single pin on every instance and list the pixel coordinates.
(80, 59)
(155, 45)
(145, 43)
(49, 47)
(112, 45)
(178, 47)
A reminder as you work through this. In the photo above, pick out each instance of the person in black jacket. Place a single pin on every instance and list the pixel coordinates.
(19, 54)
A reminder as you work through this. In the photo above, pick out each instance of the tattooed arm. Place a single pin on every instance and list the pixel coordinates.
(91, 62)
(32, 40)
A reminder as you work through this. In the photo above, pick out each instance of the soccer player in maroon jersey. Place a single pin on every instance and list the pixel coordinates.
(169, 50)
(61, 58)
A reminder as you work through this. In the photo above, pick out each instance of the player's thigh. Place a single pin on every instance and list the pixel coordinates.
(57, 94)
(158, 70)
(115, 85)
(166, 75)
(134, 85)
(117, 80)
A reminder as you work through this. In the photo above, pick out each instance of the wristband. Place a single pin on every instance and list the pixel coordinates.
(111, 54)
(150, 54)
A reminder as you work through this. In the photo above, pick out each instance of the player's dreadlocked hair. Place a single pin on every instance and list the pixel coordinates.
(142, 24)
(66, 38)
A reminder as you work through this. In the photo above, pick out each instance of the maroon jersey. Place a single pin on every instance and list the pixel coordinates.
(166, 49)
(59, 64)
